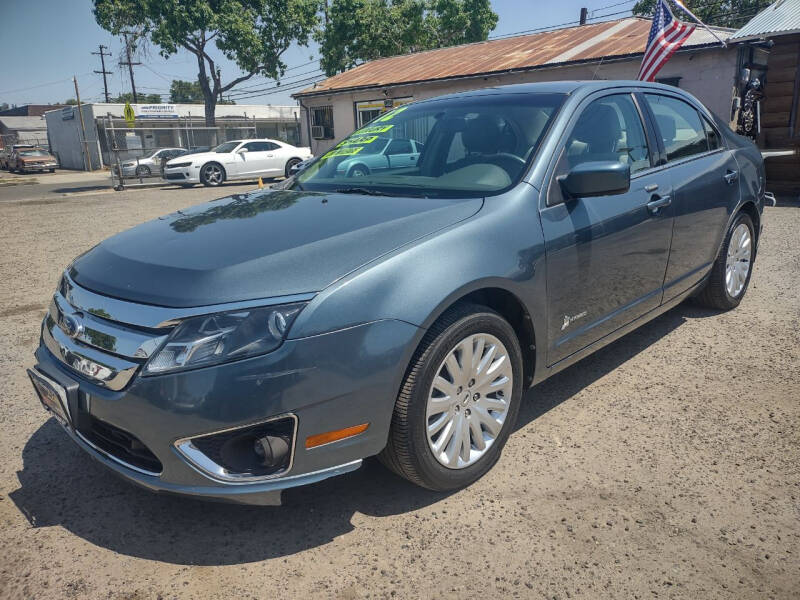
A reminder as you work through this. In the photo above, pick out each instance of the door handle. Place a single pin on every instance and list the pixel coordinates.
(731, 176)
(654, 206)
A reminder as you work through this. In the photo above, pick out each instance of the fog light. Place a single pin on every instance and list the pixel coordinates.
(248, 453)
(271, 450)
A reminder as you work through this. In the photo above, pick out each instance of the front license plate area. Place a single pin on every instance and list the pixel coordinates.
(52, 396)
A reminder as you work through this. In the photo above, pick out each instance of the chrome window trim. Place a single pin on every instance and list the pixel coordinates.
(208, 468)
(119, 461)
(152, 316)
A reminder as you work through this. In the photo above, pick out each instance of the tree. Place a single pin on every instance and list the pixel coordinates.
(4, 106)
(71, 101)
(143, 98)
(723, 13)
(359, 30)
(186, 92)
(254, 34)
(189, 92)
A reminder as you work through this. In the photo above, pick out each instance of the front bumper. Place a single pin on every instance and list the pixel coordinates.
(327, 382)
(25, 168)
(182, 175)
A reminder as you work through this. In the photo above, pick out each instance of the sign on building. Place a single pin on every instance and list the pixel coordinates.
(156, 111)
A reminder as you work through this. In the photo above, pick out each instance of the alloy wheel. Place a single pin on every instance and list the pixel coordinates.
(469, 400)
(212, 174)
(737, 265)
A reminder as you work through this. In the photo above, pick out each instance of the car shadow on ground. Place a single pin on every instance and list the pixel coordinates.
(61, 486)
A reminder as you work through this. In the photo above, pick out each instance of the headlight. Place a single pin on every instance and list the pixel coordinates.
(173, 165)
(223, 337)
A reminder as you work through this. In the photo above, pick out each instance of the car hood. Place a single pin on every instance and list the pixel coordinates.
(259, 245)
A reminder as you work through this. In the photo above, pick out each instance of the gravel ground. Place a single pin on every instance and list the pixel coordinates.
(666, 465)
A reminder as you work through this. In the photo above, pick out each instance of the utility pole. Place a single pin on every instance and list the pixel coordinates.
(87, 160)
(103, 71)
(130, 66)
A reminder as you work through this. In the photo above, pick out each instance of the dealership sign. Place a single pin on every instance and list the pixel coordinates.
(155, 111)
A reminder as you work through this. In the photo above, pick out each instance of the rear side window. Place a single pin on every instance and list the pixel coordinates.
(679, 126)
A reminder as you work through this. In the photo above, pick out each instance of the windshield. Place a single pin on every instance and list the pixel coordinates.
(226, 147)
(456, 147)
(33, 153)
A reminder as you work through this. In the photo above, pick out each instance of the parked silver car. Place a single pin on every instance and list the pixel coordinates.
(377, 153)
(150, 163)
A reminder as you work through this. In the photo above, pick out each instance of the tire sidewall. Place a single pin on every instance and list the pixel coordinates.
(742, 218)
(289, 164)
(361, 168)
(436, 475)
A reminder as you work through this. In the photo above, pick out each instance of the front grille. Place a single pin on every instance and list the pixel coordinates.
(174, 176)
(120, 444)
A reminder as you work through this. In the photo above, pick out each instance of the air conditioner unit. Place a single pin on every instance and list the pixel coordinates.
(318, 132)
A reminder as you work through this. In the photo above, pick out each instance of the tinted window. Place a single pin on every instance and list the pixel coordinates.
(257, 146)
(679, 125)
(609, 129)
(399, 147)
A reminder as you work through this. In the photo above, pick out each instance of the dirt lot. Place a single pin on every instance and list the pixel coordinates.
(666, 465)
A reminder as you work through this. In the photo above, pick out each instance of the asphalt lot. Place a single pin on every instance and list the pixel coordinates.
(665, 465)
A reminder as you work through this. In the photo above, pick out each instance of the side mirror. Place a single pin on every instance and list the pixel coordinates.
(600, 178)
(242, 150)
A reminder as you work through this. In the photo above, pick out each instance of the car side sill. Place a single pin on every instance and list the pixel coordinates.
(616, 334)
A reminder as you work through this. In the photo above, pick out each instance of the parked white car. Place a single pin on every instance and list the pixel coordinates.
(238, 159)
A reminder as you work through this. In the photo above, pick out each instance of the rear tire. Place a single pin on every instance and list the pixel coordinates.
(727, 283)
(425, 445)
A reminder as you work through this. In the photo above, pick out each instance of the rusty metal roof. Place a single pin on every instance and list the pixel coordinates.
(586, 43)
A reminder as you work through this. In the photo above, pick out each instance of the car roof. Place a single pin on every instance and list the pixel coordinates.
(556, 87)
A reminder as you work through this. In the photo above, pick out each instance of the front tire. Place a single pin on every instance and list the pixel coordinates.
(730, 275)
(143, 171)
(212, 174)
(289, 164)
(358, 171)
(459, 400)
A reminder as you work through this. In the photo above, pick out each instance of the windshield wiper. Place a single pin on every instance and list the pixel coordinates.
(359, 190)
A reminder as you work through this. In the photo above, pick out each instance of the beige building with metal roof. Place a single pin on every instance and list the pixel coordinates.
(333, 108)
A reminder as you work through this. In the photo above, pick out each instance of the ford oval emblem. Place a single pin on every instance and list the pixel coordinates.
(71, 325)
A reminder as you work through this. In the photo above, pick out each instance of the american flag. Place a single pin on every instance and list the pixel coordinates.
(666, 35)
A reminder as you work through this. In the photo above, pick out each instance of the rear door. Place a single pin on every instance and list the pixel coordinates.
(606, 256)
(705, 183)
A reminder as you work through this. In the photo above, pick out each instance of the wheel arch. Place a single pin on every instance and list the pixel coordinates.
(510, 307)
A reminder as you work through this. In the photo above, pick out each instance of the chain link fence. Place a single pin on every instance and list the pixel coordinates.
(136, 155)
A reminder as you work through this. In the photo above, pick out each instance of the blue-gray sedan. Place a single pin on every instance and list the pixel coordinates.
(272, 339)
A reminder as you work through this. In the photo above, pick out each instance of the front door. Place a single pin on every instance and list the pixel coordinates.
(400, 153)
(256, 161)
(607, 255)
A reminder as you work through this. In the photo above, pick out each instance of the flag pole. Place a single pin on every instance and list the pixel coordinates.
(680, 5)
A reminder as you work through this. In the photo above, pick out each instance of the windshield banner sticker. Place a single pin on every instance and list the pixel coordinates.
(375, 129)
(391, 115)
(343, 152)
(359, 139)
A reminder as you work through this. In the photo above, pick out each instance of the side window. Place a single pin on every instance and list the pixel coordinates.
(399, 147)
(260, 146)
(269, 146)
(679, 125)
(609, 129)
(712, 136)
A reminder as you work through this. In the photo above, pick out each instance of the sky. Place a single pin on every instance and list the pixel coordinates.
(46, 42)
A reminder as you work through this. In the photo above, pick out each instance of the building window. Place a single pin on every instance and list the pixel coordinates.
(322, 122)
(367, 110)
